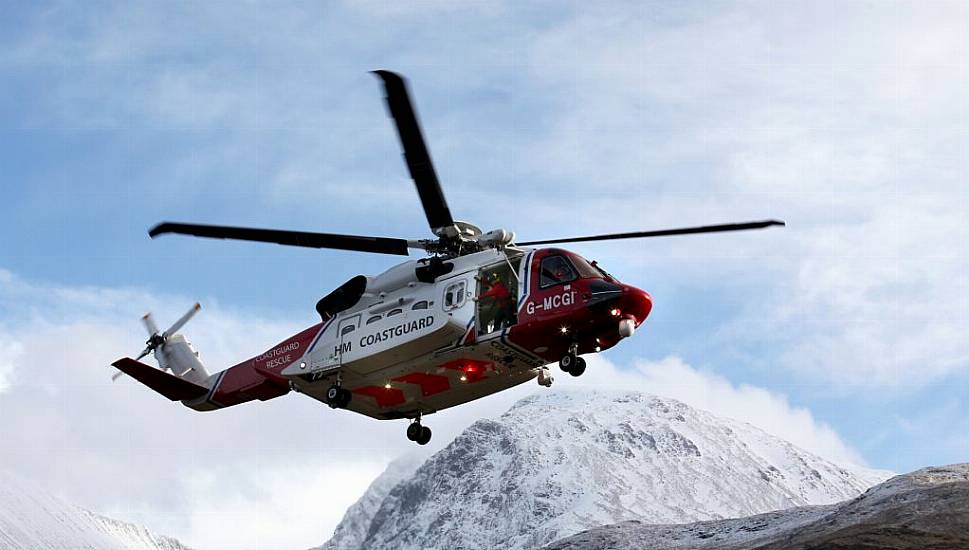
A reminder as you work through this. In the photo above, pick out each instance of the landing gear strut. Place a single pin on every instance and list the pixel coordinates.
(418, 433)
(571, 362)
(337, 397)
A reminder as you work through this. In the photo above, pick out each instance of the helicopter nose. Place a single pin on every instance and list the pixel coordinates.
(637, 304)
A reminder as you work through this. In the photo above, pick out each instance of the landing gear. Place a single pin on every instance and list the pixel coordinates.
(567, 361)
(578, 368)
(337, 397)
(545, 377)
(418, 433)
(571, 362)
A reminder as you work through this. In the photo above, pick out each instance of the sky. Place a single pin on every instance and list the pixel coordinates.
(842, 332)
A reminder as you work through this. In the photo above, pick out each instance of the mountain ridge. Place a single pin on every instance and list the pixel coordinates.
(32, 519)
(925, 509)
(558, 463)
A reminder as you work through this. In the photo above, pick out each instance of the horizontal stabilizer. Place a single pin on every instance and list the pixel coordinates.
(172, 387)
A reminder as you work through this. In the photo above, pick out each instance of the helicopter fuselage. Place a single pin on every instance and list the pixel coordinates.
(407, 347)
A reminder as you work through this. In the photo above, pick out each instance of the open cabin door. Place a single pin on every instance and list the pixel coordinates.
(497, 292)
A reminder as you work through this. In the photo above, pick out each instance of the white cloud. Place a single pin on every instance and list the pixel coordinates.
(10, 353)
(846, 120)
(303, 496)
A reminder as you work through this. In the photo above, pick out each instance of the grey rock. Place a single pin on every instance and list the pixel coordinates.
(926, 510)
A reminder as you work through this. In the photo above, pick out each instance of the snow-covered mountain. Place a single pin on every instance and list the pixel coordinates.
(31, 519)
(352, 530)
(561, 462)
(925, 509)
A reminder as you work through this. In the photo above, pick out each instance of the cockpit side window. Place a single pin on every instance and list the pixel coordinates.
(584, 268)
(556, 270)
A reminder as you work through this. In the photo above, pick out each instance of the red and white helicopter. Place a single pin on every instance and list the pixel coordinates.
(480, 314)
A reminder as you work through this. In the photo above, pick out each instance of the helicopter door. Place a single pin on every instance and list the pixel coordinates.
(347, 326)
(497, 298)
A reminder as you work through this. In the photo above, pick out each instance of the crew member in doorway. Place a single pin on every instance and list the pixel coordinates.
(501, 300)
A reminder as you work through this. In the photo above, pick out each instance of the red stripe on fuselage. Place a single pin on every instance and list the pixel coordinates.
(386, 397)
(430, 383)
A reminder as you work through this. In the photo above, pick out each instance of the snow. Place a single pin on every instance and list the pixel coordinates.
(563, 462)
(31, 519)
(353, 528)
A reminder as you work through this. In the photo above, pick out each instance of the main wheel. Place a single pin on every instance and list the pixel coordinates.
(578, 368)
(414, 431)
(567, 362)
(345, 397)
(425, 436)
(334, 397)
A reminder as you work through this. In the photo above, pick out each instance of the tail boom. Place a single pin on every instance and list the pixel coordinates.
(256, 378)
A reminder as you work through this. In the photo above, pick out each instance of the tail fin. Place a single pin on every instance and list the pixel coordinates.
(178, 356)
(172, 387)
(172, 350)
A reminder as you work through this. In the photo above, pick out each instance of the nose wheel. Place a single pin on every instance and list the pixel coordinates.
(572, 363)
(418, 433)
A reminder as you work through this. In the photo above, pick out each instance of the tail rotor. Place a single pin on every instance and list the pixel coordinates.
(157, 340)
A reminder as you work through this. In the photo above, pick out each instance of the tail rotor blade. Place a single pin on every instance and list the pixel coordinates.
(143, 353)
(149, 323)
(184, 319)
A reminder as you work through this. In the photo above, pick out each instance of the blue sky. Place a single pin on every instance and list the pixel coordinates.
(846, 119)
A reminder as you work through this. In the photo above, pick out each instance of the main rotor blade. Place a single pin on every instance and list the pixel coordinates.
(416, 156)
(379, 245)
(662, 232)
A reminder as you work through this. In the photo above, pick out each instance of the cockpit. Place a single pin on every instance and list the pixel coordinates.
(560, 267)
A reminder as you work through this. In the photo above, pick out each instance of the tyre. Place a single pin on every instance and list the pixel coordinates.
(567, 361)
(425, 436)
(414, 431)
(334, 395)
(345, 397)
(578, 368)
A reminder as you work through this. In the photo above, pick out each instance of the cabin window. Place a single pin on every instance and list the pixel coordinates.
(454, 296)
(374, 319)
(394, 312)
(347, 330)
(420, 305)
(556, 270)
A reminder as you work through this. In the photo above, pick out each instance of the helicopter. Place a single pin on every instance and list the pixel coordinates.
(479, 314)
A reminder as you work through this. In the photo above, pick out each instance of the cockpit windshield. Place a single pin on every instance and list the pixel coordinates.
(603, 272)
